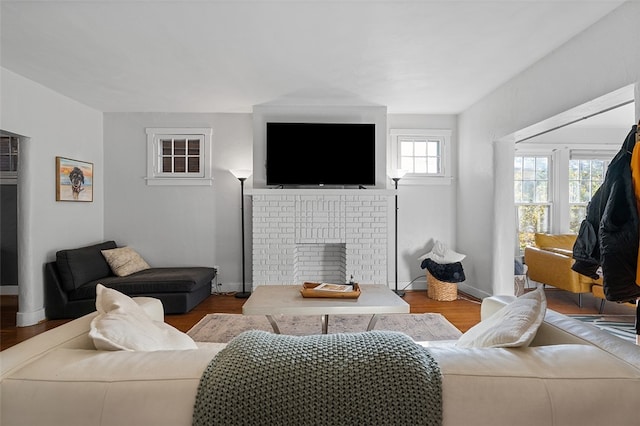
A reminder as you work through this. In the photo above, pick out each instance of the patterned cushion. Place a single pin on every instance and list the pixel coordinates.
(124, 261)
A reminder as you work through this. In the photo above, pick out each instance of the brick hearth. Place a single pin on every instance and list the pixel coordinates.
(324, 237)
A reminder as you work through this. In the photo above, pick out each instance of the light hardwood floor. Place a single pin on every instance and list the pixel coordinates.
(463, 312)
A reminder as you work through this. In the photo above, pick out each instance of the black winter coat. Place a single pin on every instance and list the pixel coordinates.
(608, 237)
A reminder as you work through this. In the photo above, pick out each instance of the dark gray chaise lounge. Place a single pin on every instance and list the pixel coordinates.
(70, 283)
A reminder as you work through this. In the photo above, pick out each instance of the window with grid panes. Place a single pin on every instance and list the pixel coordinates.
(179, 156)
(532, 194)
(8, 154)
(8, 157)
(585, 177)
(422, 153)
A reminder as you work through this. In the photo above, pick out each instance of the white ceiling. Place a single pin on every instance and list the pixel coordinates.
(227, 56)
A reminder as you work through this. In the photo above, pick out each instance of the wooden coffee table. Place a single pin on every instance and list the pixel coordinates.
(273, 300)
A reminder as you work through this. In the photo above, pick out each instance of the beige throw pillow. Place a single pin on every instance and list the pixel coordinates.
(124, 261)
(122, 325)
(513, 325)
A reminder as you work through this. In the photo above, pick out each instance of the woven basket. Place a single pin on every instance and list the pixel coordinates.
(440, 290)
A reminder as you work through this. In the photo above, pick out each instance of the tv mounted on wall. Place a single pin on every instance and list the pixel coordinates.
(318, 154)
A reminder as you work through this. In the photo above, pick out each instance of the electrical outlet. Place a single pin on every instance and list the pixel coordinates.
(217, 268)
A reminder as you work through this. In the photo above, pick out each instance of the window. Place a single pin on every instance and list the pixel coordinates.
(423, 153)
(8, 157)
(179, 156)
(420, 155)
(553, 185)
(585, 177)
(532, 196)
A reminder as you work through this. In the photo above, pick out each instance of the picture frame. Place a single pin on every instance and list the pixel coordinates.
(74, 180)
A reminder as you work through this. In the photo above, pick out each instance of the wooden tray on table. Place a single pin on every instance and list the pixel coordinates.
(308, 290)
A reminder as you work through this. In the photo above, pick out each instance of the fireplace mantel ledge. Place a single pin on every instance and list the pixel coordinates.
(320, 191)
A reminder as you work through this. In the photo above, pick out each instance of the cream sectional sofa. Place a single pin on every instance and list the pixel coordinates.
(571, 374)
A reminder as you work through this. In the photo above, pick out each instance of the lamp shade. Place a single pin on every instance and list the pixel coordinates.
(241, 173)
(397, 173)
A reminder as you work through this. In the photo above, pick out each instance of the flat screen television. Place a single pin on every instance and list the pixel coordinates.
(318, 154)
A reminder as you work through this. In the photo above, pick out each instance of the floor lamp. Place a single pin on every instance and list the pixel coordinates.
(395, 176)
(242, 175)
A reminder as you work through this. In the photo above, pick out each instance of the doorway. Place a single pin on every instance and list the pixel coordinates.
(557, 172)
(506, 237)
(9, 155)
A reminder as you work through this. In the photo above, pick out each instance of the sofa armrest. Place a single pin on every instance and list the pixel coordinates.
(89, 387)
(552, 268)
(546, 262)
(73, 335)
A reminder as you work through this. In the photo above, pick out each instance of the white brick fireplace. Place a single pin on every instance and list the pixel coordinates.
(319, 235)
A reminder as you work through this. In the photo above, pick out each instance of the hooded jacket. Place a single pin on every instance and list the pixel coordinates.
(608, 236)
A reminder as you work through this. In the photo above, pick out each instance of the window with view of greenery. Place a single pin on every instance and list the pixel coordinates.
(585, 177)
(532, 196)
(553, 187)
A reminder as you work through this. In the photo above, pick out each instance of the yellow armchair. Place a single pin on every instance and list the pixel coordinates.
(550, 261)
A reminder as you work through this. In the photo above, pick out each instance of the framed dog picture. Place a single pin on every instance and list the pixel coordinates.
(74, 180)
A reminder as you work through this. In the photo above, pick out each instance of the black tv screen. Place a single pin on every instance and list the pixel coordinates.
(339, 154)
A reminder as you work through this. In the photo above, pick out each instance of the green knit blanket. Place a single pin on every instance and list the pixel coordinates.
(372, 378)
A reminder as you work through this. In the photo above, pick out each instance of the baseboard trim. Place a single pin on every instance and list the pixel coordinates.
(25, 319)
(416, 285)
(421, 284)
(472, 291)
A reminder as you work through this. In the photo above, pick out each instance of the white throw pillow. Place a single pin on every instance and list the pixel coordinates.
(121, 324)
(442, 254)
(513, 325)
(124, 261)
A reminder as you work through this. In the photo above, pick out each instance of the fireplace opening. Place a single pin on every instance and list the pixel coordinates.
(320, 263)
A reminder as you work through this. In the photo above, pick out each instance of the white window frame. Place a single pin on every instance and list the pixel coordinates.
(551, 188)
(11, 176)
(155, 176)
(559, 174)
(443, 136)
(583, 154)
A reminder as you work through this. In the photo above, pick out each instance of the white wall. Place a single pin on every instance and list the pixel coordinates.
(55, 126)
(207, 231)
(602, 59)
(178, 225)
(304, 112)
(426, 213)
